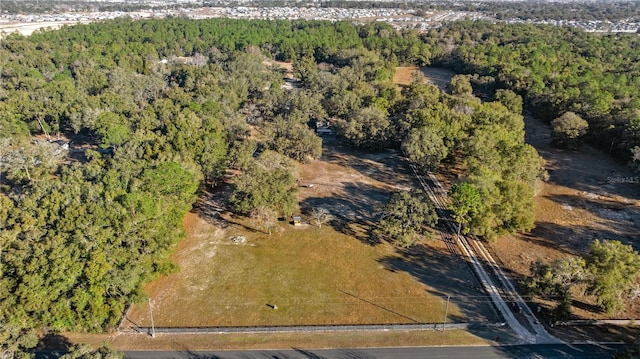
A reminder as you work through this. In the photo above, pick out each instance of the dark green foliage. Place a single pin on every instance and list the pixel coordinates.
(85, 351)
(366, 128)
(562, 311)
(265, 182)
(112, 128)
(406, 218)
(615, 269)
(465, 203)
(425, 148)
(557, 278)
(16, 342)
(79, 249)
(510, 100)
(460, 85)
(610, 269)
(568, 130)
(557, 70)
(295, 140)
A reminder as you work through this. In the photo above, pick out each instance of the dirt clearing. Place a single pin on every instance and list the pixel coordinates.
(339, 274)
(435, 75)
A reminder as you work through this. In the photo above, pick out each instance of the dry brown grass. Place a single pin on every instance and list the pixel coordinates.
(437, 76)
(314, 276)
(187, 342)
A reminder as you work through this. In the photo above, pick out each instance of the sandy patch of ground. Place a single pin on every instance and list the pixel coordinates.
(28, 28)
(435, 75)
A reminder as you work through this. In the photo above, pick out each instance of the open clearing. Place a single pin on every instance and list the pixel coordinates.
(584, 199)
(339, 274)
(436, 75)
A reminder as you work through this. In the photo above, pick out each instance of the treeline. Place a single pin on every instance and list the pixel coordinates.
(557, 70)
(282, 39)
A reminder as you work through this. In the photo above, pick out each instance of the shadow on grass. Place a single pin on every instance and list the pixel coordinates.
(54, 342)
(384, 166)
(574, 240)
(353, 212)
(450, 277)
(212, 203)
(378, 306)
(623, 219)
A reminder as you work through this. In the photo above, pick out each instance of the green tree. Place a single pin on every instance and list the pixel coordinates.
(568, 130)
(465, 203)
(367, 128)
(615, 268)
(295, 140)
(265, 182)
(558, 277)
(406, 217)
(112, 128)
(510, 100)
(16, 342)
(425, 148)
(85, 351)
(460, 85)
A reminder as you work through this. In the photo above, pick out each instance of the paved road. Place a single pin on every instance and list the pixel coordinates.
(547, 351)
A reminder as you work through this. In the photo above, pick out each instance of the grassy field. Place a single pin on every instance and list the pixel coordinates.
(313, 276)
(339, 274)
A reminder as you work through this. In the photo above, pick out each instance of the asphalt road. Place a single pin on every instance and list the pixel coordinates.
(529, 351)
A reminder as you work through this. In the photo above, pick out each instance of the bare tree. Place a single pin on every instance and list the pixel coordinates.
(320, 216)
(266, 217)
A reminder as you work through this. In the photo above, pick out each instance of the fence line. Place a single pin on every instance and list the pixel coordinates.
(316, 328)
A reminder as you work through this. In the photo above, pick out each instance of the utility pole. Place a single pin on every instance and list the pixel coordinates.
(446, 311)
(153, 329)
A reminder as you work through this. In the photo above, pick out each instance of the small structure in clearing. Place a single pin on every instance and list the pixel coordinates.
(324, 128)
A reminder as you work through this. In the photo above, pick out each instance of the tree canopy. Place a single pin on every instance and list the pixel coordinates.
(406, 218)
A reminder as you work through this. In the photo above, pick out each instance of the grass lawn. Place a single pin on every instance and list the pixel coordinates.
(313, 276)
(185, 342)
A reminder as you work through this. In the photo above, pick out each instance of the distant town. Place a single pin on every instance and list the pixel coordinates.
(404, 16)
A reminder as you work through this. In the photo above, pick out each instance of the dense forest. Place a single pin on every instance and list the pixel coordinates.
(156, 110)
(557, 70)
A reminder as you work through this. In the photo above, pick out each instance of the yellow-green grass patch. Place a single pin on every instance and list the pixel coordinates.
(313, 276)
